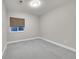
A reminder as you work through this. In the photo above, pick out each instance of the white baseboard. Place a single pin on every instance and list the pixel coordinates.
(58, 44)
(22, 40)
(5, 47)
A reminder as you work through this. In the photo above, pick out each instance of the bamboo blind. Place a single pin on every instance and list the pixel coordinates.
(14, 22)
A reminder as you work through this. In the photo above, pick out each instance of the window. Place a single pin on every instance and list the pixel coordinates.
(17, 24)
(21, 28)
(13, 28)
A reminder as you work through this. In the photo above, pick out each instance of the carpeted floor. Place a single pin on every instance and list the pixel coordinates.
(36, 49)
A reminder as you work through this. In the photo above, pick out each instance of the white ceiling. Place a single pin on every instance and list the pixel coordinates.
(47, 5)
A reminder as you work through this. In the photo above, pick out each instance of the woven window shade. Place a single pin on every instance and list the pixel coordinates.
(14, 22)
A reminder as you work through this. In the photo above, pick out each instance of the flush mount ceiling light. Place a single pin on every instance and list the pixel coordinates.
(35, 3)
(20, 1)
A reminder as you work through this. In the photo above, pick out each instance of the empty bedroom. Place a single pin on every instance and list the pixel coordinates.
(39, 29)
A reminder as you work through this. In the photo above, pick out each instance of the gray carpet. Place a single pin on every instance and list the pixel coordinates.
(36, 49)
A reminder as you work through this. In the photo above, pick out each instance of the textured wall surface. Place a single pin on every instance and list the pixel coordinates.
(4, 26)
(59, 25)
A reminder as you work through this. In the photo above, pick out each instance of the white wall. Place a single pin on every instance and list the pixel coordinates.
(31, 26)
(59, 25)
(4, 26)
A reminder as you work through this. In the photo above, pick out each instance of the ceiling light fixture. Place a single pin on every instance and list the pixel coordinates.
(35, 3)
(20, 1)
